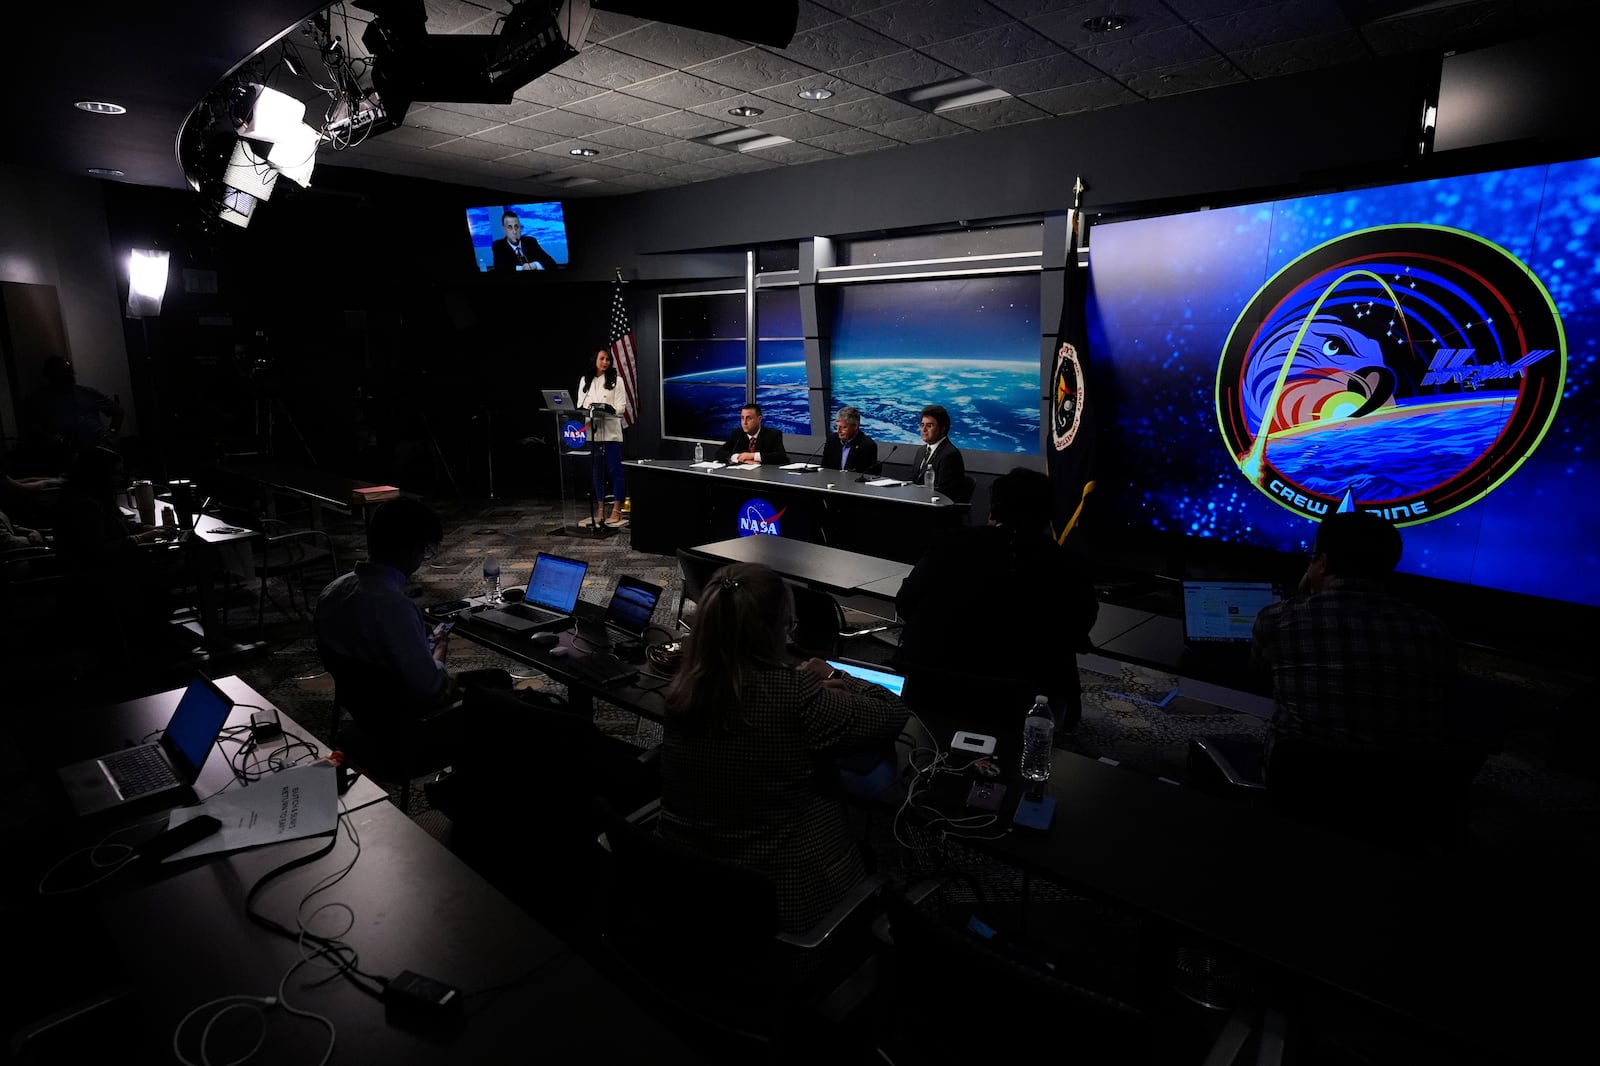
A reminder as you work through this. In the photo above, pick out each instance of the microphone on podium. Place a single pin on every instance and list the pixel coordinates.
(877, 467)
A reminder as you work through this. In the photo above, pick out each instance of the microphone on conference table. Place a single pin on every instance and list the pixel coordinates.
(811, 463)
(877, 468)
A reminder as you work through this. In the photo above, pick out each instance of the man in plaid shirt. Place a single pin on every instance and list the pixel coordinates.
(1351, 664)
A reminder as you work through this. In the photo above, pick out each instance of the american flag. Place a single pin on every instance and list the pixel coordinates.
(622, 355)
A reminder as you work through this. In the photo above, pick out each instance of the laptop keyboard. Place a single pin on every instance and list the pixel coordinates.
(138, 770)
(603, 668)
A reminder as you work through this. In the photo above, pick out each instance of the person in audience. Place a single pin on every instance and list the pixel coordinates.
(602, 388)
(515, 251)
(65, 417)
(17, 536)
(1352, 664)
(28, 499)
(994, 614)
(751, 443)
(89, 524)
(849, 448)
(939, 453)
(366, 624)
(743, 732)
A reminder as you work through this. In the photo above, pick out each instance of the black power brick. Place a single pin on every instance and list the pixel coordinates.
(410, 999)
(264, 729)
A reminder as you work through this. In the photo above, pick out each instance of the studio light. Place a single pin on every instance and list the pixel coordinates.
(147, 282)
(249, 172)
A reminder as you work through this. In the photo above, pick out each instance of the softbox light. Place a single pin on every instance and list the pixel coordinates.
(273, 116)
(147, 282)
(249, 172)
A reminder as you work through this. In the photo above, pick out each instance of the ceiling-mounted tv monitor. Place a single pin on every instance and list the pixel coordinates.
(1427, 351)
(518, 237)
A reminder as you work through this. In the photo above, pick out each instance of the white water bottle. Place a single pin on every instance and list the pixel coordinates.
(699, 452)
(1038, 733)
(491, 580)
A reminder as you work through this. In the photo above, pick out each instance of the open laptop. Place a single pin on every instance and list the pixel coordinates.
(895, 683)
(551, 595)
(633, 604)
(1223, 613)
(165, 769)
(557, 399)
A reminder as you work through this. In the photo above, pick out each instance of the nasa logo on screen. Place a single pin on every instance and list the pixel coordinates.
(574, 434)
(1406, 370)
(757, 518)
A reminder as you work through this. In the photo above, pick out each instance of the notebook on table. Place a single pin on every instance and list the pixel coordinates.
(551, 595)
(165, 769)
(633, 604)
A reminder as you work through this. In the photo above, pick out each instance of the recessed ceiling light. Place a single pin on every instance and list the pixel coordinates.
(744, 112)
(99, 107)
(821, 92)
(582, 151)
(106, 172)
(1105, 23)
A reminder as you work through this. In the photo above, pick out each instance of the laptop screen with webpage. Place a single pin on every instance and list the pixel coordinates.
(1224, 612)
(555, 583)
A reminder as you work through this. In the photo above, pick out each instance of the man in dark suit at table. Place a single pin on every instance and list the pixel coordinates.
(849, 449)
(517, 252)
(751, 443)
(939, 453)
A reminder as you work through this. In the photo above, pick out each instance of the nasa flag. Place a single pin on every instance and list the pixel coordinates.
(1070, 451)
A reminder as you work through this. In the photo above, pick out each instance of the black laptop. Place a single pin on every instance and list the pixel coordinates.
(1219, 616)
(551, 595)
(163, 770)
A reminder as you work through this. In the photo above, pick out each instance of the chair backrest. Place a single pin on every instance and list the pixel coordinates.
(818, 621)
(695, 569)
(969, 485)
(942, 971)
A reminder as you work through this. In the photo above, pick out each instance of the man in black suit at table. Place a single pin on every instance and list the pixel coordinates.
(516, 252)
(851, 449)
(949, 470)
(750, 443)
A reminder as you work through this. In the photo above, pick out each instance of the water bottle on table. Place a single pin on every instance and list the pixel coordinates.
(1038, 733)
(491, 580)
(699, 452)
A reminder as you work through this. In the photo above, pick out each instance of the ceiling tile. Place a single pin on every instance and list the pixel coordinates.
(840, 44)
(920, 127)
(1025, 9)
(1287, 57)
(555, 91)
(1036, 75)
(446, 17)
(753, 68)
(1178, 46)
(681, 89)
(619, 107)
(1184, 79)
(788, 94)
(1292, 20)
(1065, 25)
(685, 124)
(409, 136)
(924, 22)
(610, 69)
(995, 113)
(566, 123)
(1205, 9)
(770, 109)
(802, 127)
(563, 149)
(994, 47)
(674, 46)
(693, 171)
(852, 142)
(517, 136)
(440, 121)
(796, 153)
(604, 25)
(590, 168)
(471, 146)
(854, 7)
(902, 70)
(492, 112)
(634, 162)
(741, 162)
(684, 151)
(630, 137)
(809, 16)
(648, 181)
(872, 111)
(1085, 96)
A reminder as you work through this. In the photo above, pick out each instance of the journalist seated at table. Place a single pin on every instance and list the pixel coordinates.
(752, 443)
(744, 731)
(994, 614)
(374, 638)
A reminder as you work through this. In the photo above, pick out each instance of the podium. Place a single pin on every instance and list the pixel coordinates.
(577, 454)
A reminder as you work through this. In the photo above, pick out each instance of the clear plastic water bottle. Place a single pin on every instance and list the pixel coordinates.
(699, 452)
(491, 580)
(927, 476)
(1038, 733)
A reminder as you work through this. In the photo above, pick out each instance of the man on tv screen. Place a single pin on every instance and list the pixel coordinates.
(516, 252)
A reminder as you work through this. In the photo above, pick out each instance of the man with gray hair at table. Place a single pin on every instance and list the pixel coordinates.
(849, 448)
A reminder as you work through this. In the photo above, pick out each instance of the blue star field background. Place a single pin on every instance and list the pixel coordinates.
(544, 222)
(1165, 292)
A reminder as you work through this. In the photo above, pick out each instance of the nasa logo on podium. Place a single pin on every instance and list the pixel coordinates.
(574, 435)
(757, 518)
(1405, 370)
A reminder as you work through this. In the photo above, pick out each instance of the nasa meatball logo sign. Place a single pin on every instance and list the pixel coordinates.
(757, 518)
(574, 434)
(1406, 370)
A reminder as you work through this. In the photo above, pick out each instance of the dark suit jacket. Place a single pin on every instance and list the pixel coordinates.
(949, 470)
(752, 795)
(506, 259)
(769, 442)
(863, 453)
(992, 623)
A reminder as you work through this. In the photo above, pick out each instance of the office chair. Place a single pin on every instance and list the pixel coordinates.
(969, 485)
(369, 725)
(697, 939)
(696, 569)
(820, 625)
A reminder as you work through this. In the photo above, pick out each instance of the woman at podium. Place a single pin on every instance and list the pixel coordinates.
(602, 396)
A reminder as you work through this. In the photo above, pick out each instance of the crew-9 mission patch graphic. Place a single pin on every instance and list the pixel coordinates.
(1405, 369)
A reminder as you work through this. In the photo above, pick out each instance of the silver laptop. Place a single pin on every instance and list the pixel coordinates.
(164, 770)
(548, 602)
(557, 400)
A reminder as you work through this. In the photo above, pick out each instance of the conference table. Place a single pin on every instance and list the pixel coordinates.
(676, 504)
(163, 942)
